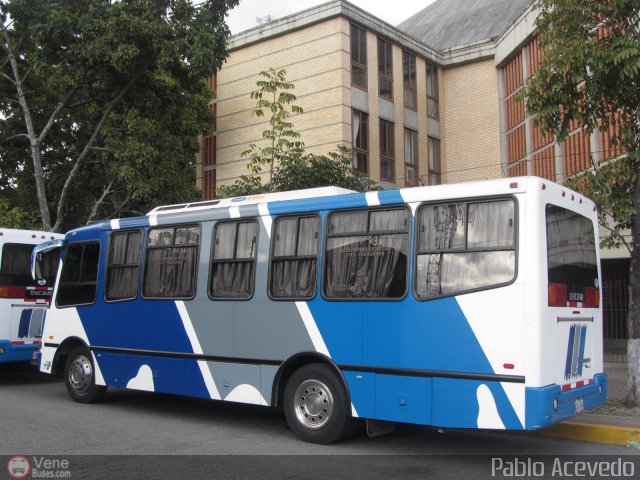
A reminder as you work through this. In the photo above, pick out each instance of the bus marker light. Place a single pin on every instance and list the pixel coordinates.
(557, 295)
(513, 185)
(555, 403)
(509, 366)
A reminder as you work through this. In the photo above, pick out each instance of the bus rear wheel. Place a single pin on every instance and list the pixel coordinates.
(316, 405)
(80, 379)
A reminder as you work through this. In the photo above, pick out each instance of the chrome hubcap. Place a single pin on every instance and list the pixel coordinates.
(313, 404)
(80, 374)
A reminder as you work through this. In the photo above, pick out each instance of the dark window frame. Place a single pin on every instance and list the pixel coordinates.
(434, 162)
(369, 210)
(359, 149)
(433, 94)
(473, 200)
(387, 154)
(361, 54)
(147, 248)
(254, 259)
(410, 80)
(272, 257)
(79, 283)
(385, 67)
(415, 165)
(108, 267)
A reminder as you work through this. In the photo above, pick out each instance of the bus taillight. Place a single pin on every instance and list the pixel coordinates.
(591, 297)
(8, 291)
(557, 295)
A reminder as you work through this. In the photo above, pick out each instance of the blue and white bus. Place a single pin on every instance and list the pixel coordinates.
(473, 305)
(23, 301)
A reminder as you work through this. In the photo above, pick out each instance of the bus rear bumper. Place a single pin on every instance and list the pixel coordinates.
(548, 405)
(10, 352)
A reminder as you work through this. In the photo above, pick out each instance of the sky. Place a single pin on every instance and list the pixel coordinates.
(245, 15)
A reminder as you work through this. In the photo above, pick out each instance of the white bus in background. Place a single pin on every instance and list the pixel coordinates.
(23, 300)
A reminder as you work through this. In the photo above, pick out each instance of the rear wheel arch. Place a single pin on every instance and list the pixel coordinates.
(295, 362)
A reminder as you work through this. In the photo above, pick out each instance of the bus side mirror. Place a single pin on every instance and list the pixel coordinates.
(37, 256)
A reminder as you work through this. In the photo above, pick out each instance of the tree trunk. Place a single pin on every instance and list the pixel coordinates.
(633, 319)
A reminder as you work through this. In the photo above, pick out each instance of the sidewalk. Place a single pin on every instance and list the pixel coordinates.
(611, 423)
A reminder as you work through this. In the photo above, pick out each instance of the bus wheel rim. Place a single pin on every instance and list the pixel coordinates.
(313, 404)
(81, 374)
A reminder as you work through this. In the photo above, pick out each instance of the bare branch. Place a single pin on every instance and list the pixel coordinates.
(94, 211)
(87, 148)
(14, 136)
(54, 114)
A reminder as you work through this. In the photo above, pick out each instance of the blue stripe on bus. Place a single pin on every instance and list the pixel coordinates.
(318, 204)
(583, 338)
(567, 366)
(25, 319)
(388, 197)
(365, 333)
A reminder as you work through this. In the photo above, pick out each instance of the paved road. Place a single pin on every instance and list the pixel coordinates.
(37, 417)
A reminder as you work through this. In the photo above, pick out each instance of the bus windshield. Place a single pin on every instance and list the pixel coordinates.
(15, 265)
(571, 256)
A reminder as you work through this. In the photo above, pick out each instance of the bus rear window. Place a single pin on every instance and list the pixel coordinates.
(571, 259)
(15, 267)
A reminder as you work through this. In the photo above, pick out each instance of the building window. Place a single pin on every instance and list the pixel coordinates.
(233, 266)
(171, 262)
(410, 157)
(385, 69)
(387, 151)
(123, 265)
(409, 78)
(433, 110)
(464, 247)
(358, 57)
(366, 254)
(79, 275)
(435, 169)
(295, 257)
(360, 133)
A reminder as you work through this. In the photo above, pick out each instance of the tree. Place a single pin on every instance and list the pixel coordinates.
(274, 95)
(105, 99)
(590, 73)
(289, 167)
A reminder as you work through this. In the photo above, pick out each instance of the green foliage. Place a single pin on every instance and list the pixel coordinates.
(15, 217)
(104, 103)
(289, 167)
(611, 187)
(274, 96)
(590, 73)
(311, 170)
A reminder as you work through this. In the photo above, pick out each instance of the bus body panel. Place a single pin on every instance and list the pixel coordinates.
(23, 303)
(484, 359)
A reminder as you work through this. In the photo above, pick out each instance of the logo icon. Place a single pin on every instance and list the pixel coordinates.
(18, 467)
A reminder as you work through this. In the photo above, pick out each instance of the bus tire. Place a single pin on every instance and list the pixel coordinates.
(80, 379)
(316, 406)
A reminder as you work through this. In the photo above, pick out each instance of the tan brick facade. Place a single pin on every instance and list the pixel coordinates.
(470, 123)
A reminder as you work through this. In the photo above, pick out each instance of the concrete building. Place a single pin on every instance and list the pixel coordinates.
(429, 101)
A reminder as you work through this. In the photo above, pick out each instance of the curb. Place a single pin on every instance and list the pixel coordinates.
(588, 432)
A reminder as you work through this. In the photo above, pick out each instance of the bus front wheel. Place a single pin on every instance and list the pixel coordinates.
(316, 405)
(80, 379)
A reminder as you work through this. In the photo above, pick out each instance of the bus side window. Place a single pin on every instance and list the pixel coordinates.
(123, 265)
(79, 275)
(171, 262)
(233, 264)
(366, 254)
(464, 247)
(295, 257)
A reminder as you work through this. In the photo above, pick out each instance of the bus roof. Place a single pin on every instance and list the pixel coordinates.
(318, 199)
(11, 235)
